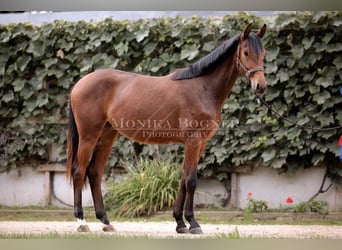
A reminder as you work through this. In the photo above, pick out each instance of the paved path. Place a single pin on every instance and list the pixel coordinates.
(167, 230)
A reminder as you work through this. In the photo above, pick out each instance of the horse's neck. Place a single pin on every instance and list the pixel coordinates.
(221, 80)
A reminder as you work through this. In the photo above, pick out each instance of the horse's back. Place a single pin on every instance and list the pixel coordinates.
(99, 85)
(102, 78)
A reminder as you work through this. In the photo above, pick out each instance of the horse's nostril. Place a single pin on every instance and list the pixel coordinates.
(260, 87)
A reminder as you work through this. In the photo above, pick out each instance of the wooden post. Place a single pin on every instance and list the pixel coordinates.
(234, 190)
(48, 190)
(49, 170)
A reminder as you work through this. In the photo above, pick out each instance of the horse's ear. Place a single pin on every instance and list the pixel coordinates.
(246, 32)
(262, 31)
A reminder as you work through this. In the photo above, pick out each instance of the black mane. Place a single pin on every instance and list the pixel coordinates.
(216, 57)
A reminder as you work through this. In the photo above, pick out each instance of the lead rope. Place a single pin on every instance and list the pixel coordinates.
(293, 122)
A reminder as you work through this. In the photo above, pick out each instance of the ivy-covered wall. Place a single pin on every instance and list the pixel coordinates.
(40, 64)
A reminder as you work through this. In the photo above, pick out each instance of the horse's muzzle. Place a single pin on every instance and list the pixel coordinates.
(260, 89)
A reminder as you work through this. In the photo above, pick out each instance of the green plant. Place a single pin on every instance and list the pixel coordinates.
(149, 186)
(235, 235)
(255, 206)
(312, 206)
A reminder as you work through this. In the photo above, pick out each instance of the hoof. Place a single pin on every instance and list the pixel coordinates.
(196, 230)
(108, 228)
(182, 230)
(83, 229)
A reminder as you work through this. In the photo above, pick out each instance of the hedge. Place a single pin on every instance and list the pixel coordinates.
(40, 64)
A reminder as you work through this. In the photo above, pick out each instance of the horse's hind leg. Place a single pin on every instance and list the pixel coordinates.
(95, 173)
(85, 151)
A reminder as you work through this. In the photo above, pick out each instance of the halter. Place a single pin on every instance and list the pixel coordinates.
(248, 71)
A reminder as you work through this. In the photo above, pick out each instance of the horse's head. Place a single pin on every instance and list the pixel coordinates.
(250, 56)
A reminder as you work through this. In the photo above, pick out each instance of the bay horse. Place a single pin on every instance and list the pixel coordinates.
(183, 107)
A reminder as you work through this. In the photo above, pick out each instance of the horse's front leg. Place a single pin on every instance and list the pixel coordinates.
(179, 206)
(191, 183)
(187, 190)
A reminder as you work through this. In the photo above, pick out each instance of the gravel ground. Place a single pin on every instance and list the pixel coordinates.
(167, 230)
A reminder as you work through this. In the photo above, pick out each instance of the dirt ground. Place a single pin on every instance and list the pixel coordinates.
(167, 230)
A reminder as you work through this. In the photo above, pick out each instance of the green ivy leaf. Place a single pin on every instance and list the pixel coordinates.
(222, 176)
(278, 162)
(65, 45)
(314, 89)
(268, 155)
(272, 94)
(5, 36)
(319, 15)
(121, 48)
(283, 75)
(337, 22)
(30, 104)
(107, 37)
(3, 60)
(297, 51)
(209, 46)
(322, 81)
(220, 153)
(309, 77)
(26, 93)
(311, 59)
(320, 47)
(284, 20)
(8, 97)
(327, 37)
(49, 62)
(308, 41)
(317, 158)
(37, 48)
(157, 64)
(336, 47)
(325, 119)
(272, 53)
(55, 72)
(322, 97)
(189, 53)
(141, 35)
(166, 58)
(149, 48)
(42, 100)
(18, 84)
(86, 65)
(299, 91)
(271, 68)
(338, 62)
(22, 62)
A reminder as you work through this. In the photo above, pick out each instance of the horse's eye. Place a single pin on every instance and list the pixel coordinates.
(245, 53)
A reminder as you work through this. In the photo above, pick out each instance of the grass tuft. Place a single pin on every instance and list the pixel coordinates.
(148, 187)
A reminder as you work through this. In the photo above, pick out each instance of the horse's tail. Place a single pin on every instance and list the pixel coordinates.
(72, 145)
